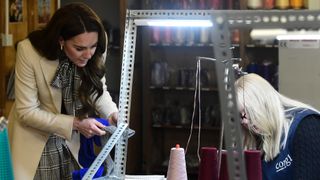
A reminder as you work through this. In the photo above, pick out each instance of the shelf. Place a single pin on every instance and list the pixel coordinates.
(164, 169)
(167, 88)
(186, 45)
(262, 46)
(161, 132)
(204, 127)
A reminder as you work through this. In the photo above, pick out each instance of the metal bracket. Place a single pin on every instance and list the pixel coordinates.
(105, 151)
(229, 111)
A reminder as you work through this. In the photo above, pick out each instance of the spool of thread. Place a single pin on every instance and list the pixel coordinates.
(296, 4)
(204, 35)
(254, 4)
(306, 4)
(177, 164)
(190, 36)
(282, 4)
(208, 169)
(268, 4)
(155, 35)
(215, 4)
(267, 71)
(202, 4)
(179, 37)
(166, 35)
(6, 170)
(235, 38)
(224, 166)
(253, 164)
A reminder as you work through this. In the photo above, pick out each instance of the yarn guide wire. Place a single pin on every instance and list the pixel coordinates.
(105, 151)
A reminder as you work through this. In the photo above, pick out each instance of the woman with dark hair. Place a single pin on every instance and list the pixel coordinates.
(59, 89)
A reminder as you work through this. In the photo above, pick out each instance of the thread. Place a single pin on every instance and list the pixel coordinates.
(296, 4)
(204, 35)
(253, 164)
(252, 161)
(209, 164)
(6, 170)
(282, 4)
(268, 4)
(177, 164)
(155, 35)
(208, 169)
(254, 4)
(166, 36)
(179, 36)
(224, 166)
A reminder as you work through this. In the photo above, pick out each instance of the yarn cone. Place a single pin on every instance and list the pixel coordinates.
(253, 164)
(208, 169)
(177, 164)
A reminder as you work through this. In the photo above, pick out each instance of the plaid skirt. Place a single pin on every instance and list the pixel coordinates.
(56, 161)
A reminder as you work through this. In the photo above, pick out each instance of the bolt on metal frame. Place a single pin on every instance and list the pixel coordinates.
(223, 21)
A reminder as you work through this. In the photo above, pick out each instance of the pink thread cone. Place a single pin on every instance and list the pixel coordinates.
(177, 165)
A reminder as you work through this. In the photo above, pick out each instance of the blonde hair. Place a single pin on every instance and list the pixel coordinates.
(266, 110)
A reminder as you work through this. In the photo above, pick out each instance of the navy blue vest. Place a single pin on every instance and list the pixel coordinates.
(281, 167)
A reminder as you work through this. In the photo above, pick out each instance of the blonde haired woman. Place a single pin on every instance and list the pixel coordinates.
(285, 130)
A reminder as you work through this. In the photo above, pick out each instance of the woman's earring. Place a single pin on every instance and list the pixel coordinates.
(61, 52)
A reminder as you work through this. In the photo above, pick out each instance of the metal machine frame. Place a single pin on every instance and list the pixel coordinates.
(223, 21)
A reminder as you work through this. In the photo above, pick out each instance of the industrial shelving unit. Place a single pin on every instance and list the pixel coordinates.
(223, 21)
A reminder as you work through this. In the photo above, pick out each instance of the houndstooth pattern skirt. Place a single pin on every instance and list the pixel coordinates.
(56, 161)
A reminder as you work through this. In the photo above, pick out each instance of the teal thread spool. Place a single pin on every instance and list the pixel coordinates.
(6, 171)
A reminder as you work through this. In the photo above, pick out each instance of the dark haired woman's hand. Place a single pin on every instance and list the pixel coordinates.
(113, 118)
(89, 127)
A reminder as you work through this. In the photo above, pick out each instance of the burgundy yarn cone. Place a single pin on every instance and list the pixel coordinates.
(208, 169)
(253, 164)
(224, 166)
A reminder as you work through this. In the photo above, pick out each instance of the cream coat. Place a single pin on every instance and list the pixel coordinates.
(36, 111)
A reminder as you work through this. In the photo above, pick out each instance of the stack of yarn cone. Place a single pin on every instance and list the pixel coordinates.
(208, 169)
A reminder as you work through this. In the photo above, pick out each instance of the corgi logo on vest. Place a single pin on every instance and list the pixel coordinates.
(284, 163)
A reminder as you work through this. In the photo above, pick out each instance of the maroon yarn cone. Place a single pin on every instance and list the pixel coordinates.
(253, 164)
(208, 169)
(224, 166)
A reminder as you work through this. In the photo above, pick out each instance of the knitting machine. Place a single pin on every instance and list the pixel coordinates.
(222, 21)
